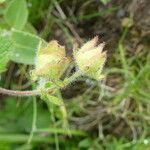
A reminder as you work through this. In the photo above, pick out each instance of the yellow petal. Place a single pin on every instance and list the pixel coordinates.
(53, 48)
(89, 45)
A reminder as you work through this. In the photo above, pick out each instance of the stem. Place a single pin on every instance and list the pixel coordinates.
(51, 110)
(37, 92)
(33, 129)
(72, 78)
(122, 52)
(22, 93)
(55, 134)
(19, 93)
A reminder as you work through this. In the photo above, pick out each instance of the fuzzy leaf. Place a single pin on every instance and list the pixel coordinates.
(5, 48)
(54, 100)
(50, 99)
(25, 47)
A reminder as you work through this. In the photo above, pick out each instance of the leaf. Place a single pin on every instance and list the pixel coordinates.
(2, 1)
(25, 47)
(54, 100)
(29, 28)
(16, 14)
(51, 99)
(105, 1)
(22, 115)
(85, 143)
(5, 47)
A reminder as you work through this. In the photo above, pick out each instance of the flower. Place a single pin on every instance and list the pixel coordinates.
(51, 61)
(90, 59)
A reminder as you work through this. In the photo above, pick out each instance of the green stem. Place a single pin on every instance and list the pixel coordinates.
(33, 129)
(55, 134)
(62, 131)
(122, 52)
(51, 110)
(72, 78)
(22, 138)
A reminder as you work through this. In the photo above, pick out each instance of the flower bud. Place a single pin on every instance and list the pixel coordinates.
(90, 58)
(51, 61)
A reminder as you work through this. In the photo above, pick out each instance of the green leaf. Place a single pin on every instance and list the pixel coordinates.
(54, 100)
(105, 1)
(85, 143)
(5, 47)
(16, 14)
(29, 28)
(2, 1)
(51, 99)
(25, 47)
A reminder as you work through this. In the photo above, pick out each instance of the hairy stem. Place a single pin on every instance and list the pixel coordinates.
(19, 93)
(37, 92)
(72, 78)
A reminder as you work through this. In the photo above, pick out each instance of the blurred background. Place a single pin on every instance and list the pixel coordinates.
(113, 114)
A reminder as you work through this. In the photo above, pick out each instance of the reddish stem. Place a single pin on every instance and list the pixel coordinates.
(19, 93)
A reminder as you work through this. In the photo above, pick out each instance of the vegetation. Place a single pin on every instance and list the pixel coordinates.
(82, 96)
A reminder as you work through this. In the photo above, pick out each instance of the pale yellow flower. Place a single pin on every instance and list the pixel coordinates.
(90, 58)
(51, 61)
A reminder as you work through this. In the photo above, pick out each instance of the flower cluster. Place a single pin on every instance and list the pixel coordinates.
(51, 60)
